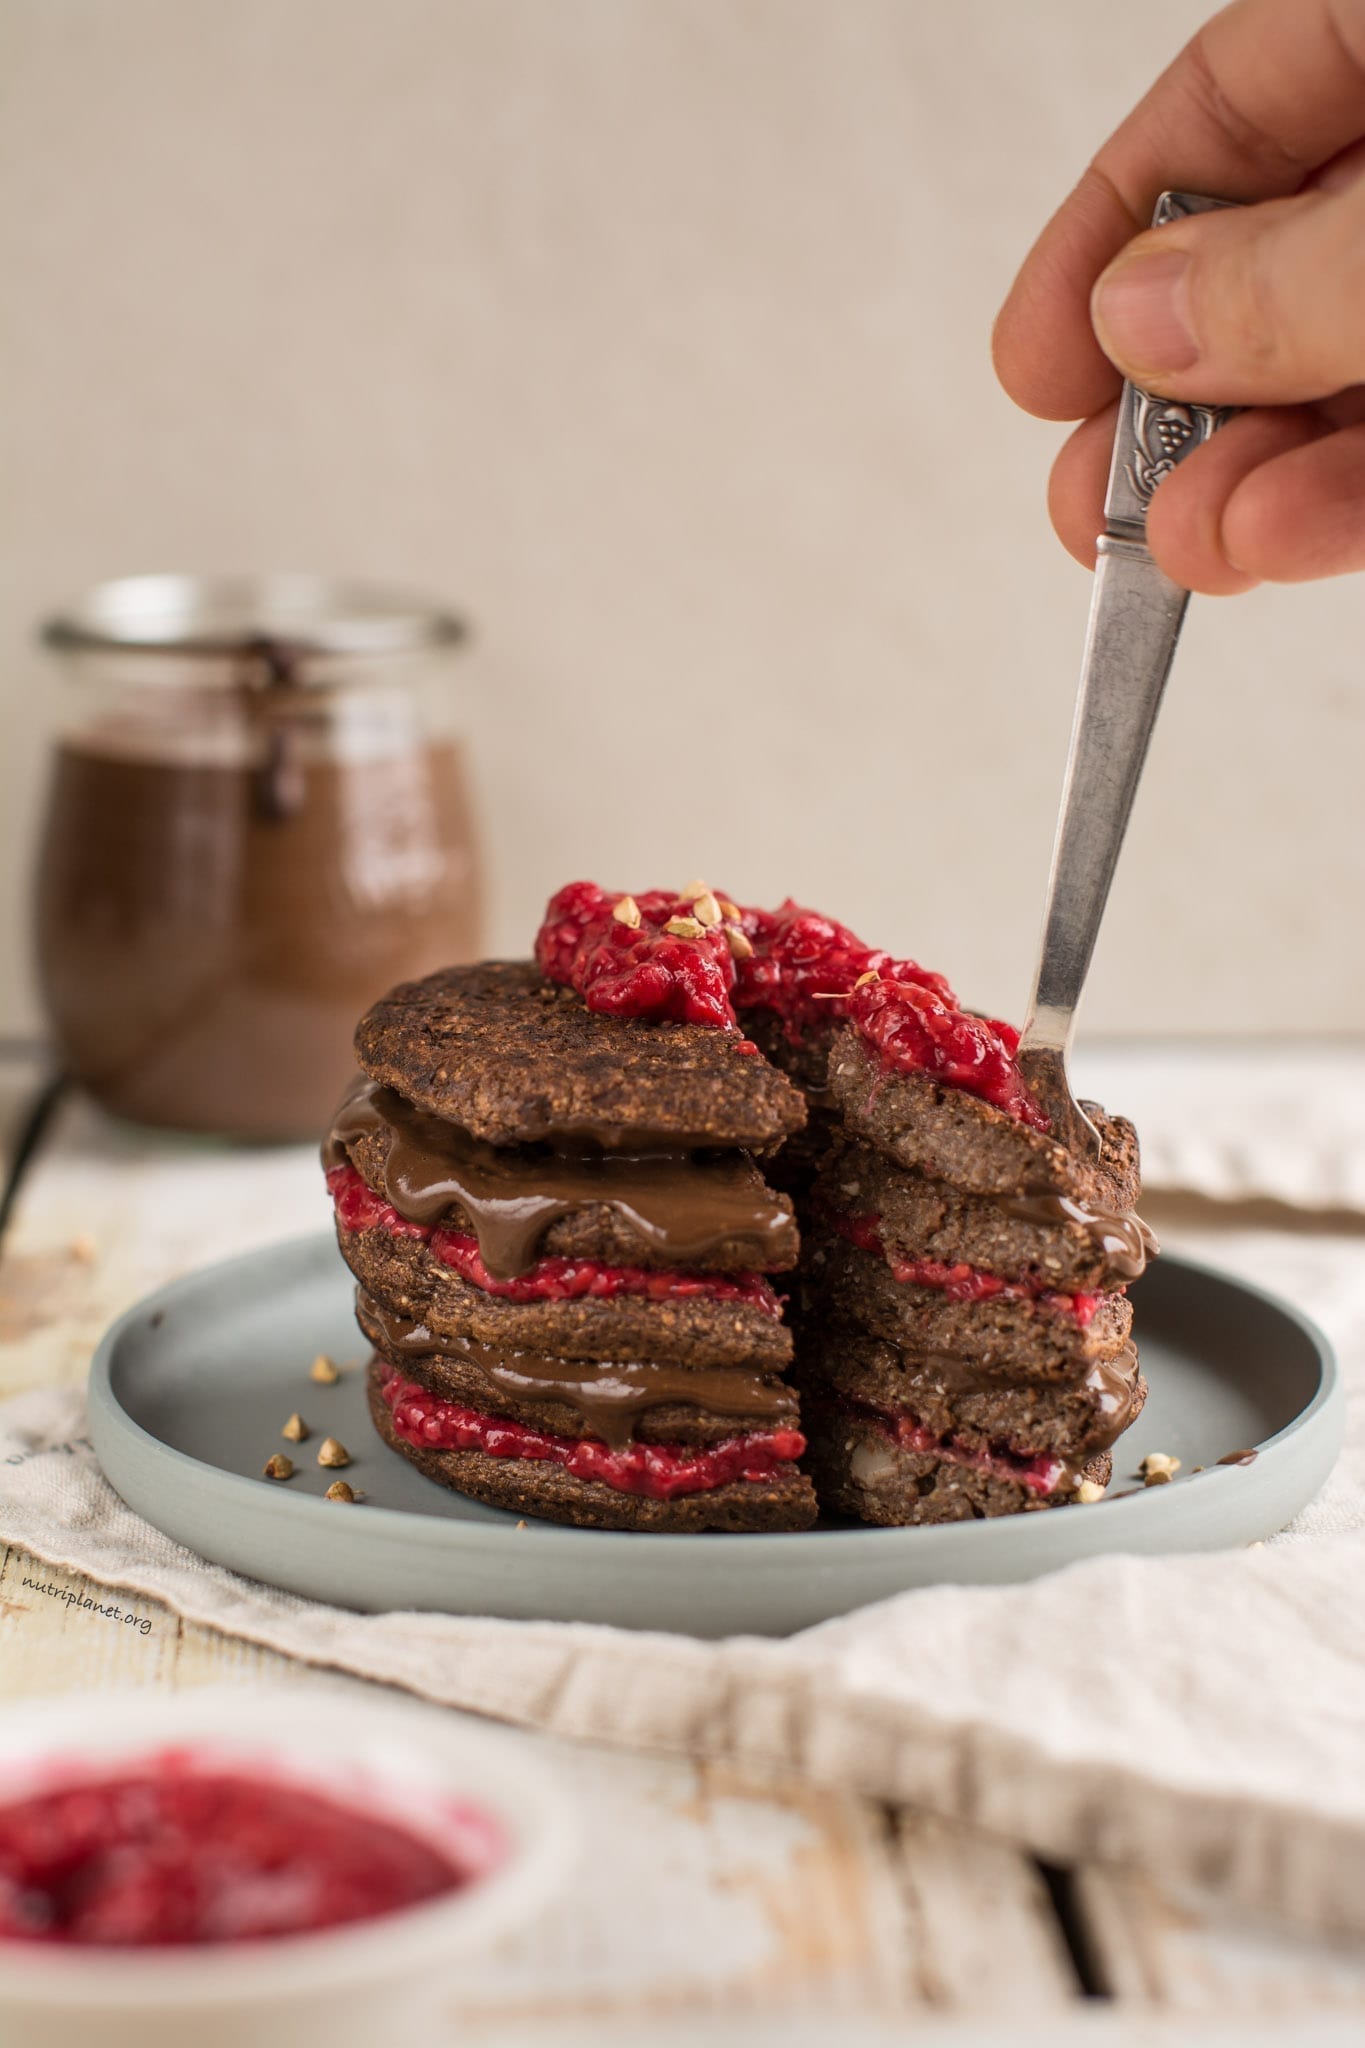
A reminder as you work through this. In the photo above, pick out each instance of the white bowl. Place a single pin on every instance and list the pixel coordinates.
(364, 1982)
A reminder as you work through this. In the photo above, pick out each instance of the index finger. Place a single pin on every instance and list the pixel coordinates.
(1263, 95)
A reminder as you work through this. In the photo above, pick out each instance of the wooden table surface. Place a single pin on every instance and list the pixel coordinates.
(719, 1901)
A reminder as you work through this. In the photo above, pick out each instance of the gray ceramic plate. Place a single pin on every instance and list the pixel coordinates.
(188, 1392)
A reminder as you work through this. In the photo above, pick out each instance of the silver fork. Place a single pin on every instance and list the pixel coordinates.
(1136, 614)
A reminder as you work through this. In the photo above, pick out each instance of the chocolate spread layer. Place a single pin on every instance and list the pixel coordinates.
(607, 1400)
(682, 1208)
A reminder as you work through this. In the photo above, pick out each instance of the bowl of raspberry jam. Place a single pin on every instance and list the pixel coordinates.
(271, 1868)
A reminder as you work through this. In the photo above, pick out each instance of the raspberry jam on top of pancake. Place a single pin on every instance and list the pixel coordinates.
(804, 965)
(647, 956)
(916, 1030)
(168, 1854)
(358, 1207)
(655, 1471)
(961, 1282)
(655, 958)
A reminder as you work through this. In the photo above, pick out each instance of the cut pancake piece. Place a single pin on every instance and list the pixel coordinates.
(860, 1470)
(948, 1134)
(1038, 1336)
(951, 1397)
(1051, 1240)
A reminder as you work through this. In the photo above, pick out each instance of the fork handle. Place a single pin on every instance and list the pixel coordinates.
(1136, 613)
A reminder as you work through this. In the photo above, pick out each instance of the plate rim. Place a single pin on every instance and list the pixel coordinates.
(842, 1548)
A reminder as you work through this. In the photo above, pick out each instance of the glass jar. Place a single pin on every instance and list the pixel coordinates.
(259, 820)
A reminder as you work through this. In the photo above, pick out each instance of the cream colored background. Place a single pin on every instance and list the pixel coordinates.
(656, 333)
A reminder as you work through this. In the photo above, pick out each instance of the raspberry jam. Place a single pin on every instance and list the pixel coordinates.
(622, 957)
(358, 1207)
(657, 1471)
(619, 954)
(1038, 1471)
(962, 1282)
(803, 966)
(918, 1031)
(167, 1854)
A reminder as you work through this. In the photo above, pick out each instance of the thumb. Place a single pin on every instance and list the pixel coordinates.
(1257, 305)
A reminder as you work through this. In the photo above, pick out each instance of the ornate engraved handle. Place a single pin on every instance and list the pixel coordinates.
(1154, 434)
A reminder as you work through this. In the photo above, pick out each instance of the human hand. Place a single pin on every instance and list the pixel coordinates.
(1261, 307)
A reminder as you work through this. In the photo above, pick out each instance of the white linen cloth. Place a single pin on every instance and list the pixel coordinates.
(1202, 1717)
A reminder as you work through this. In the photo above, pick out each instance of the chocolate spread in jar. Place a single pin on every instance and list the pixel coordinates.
(209, 929)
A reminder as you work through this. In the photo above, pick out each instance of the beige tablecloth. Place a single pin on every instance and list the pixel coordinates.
(1201, 1716)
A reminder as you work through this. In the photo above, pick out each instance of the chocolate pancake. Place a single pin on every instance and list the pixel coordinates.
(532, 1487)
(711, 1213)
(1071, 1419)
(515, 1060)
(858, 1471)
(643, 1402)
(947, 1134)
(1024, 1337)
(406, 1276)
(1048, 1239)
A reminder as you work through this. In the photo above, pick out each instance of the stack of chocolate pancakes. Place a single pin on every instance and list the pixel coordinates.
(564, 1243)
(964, 1343)
(548, 1184)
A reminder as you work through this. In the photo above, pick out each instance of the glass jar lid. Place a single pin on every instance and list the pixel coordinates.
(296, 613)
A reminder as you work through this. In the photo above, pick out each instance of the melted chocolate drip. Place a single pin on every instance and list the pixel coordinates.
(1126, 1241)
(607, 1399)
(684, 1208)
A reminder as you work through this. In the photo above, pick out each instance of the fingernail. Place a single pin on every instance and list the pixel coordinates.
(1140, 311)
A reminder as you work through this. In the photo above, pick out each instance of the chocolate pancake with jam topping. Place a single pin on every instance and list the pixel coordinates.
(861, 1470)
(778, 1499)
(1041, 1336)
(514, 1060)
(946, 1133)
(700, 1326)
(949, 1397)
(1050, 1240)
(656, 1401)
